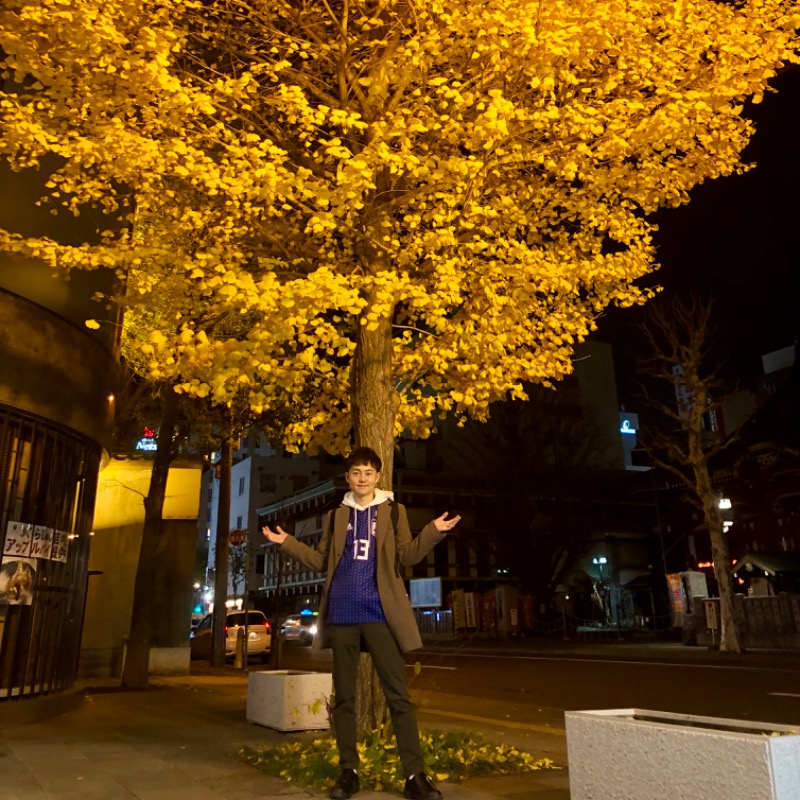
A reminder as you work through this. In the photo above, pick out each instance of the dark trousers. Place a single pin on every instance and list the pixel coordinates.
(390, 666)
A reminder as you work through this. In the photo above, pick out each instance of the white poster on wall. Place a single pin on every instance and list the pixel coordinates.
(42, 542)
(17, 580)
(18, 539)
(58, 552)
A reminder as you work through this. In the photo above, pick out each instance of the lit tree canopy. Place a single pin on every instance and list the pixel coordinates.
(417, 204)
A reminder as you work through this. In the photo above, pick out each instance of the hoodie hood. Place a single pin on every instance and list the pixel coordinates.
(381, 496)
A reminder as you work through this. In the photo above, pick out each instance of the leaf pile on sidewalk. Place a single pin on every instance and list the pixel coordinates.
(448, 756)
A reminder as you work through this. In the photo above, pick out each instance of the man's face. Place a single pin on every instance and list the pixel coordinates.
(362, 481)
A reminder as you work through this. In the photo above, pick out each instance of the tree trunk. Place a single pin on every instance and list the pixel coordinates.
(372, 712)
(221, 556)
(137, 659)
(373, 397)
(729, 639)
(374, 403)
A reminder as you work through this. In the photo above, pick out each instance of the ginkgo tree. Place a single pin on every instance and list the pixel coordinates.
(418, 204)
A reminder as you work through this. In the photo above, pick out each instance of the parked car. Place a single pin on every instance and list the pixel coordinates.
(299, 628)
(259, 637)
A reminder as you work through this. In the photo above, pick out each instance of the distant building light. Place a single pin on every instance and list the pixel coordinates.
(725, 503)
(726, 525)
(600, 560)
(705, 564)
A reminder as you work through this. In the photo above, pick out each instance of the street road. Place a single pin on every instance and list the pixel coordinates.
(546, 685)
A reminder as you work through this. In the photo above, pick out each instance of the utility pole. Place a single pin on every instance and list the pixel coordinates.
(220, 614)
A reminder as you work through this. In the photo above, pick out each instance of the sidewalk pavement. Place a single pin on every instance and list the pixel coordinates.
(178, 740)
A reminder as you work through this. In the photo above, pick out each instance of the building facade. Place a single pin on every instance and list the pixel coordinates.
(537, 487)
(57, 382)
(260, 475)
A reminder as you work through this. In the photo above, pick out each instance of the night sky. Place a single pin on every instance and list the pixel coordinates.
(738, 241)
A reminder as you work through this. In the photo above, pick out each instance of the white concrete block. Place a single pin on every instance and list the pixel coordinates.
(630, 754)
(289, 700)
(169, 660)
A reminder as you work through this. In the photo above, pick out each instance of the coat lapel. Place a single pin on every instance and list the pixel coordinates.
(382, 526)
(340, 519)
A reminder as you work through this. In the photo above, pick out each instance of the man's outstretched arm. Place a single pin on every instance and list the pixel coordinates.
(309, 557)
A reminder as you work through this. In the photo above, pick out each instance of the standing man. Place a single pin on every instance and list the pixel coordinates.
(364, 603)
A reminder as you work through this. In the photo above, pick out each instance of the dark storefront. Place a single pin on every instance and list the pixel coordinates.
(46, 504)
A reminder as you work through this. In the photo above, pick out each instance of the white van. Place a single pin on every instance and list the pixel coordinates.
(259, 637)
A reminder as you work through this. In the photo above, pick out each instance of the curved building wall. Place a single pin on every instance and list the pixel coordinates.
(71, 297)
(57, 382)
(49, 479)
(51, 368)
(56, 413)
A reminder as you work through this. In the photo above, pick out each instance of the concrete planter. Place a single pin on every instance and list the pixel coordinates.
(288, 700)
(629, 754)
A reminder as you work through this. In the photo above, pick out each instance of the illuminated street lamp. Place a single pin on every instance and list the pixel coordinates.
(598, 561)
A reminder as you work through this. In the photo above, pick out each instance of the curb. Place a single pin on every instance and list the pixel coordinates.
(25, 710)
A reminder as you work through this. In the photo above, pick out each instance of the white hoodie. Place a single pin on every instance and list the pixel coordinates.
(381, 495)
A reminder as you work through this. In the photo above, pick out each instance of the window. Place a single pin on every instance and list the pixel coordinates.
(267, 482)
(261, 565)
(241, 486)
(238, 523)
(299, 482)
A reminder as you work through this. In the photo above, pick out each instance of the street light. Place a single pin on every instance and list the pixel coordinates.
(598, 561)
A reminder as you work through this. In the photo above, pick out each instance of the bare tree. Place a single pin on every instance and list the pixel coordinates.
(686, 389)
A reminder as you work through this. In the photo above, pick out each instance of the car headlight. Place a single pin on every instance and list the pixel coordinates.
(313, 630)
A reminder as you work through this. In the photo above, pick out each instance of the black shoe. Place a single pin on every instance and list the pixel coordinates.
(419, 787)
(346, 786)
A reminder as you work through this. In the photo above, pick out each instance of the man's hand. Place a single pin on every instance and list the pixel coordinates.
(276, 538)
(443, 524)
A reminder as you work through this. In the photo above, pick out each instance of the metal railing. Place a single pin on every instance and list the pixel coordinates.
(48, 482)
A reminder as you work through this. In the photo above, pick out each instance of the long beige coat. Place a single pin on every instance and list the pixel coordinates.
(400, 549)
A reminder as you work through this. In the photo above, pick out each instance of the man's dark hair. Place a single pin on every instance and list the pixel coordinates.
(363, 457)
